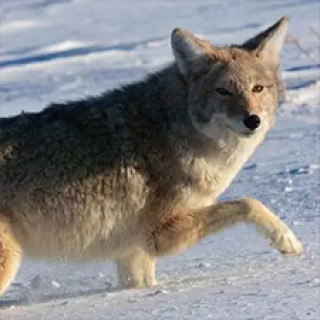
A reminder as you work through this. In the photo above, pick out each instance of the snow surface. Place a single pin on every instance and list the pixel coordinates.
(53, 50)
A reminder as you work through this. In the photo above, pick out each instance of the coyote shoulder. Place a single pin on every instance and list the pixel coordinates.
(134, 174)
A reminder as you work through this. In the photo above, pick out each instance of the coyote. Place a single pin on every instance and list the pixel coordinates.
(135, 173)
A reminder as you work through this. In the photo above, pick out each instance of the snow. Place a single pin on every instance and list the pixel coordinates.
(53, 50)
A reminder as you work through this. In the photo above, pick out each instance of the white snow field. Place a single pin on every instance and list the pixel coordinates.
(53, 50)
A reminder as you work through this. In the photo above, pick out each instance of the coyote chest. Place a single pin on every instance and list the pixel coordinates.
(214, 174)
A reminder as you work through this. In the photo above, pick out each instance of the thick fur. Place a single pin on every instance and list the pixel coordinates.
(135, 173)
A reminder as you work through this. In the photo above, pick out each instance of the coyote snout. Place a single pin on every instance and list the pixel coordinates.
(249, 123)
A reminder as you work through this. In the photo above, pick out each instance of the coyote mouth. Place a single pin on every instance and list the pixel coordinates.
(241, 131)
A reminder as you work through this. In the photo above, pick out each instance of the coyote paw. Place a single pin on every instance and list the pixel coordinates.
(287, 243)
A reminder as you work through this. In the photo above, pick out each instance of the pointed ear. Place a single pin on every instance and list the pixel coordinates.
(189, 52)
(267, 44)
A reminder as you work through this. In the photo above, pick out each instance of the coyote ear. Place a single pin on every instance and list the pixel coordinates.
(188, 51)
(267, 44)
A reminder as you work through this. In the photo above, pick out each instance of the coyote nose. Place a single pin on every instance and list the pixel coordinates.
(252, 122)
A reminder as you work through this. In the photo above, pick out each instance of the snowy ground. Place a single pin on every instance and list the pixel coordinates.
(53, 50)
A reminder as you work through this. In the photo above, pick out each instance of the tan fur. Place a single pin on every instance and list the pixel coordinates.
(136, 173)
(10, 254)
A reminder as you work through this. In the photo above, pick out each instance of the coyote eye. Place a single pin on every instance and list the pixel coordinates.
(257, 88)
(223, 92)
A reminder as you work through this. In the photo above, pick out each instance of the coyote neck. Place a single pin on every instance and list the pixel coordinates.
(215, 171)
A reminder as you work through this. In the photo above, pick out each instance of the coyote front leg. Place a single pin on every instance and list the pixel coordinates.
(181, 229)
(136, 269)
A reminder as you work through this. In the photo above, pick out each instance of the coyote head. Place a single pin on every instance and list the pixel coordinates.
(235, 88)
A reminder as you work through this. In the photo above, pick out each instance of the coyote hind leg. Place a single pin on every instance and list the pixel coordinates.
(10, 255)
